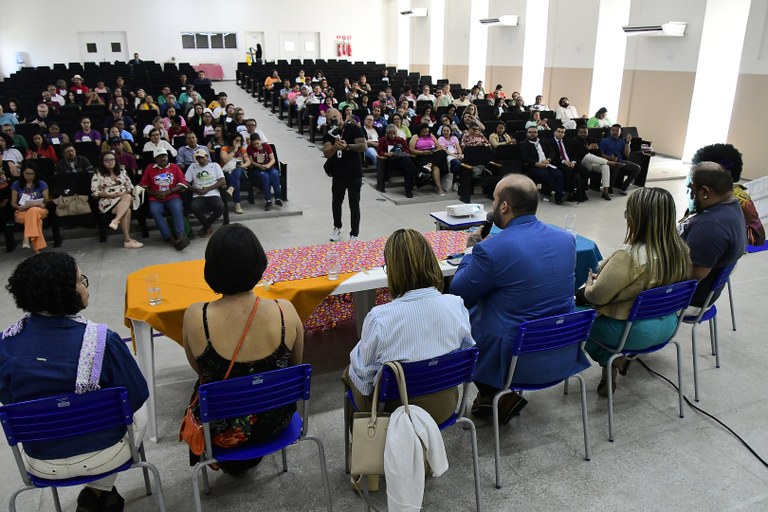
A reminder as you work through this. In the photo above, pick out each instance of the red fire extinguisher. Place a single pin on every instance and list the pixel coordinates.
(349, 47)
(339, 49)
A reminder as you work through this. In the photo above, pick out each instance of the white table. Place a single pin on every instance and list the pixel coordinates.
(445, 221)
(362, 286)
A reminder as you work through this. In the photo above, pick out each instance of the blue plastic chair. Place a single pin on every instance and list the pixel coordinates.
(63, 417)
(549, 351)
(253, 394)
(424, 378)
(708, 314)
(653, 303)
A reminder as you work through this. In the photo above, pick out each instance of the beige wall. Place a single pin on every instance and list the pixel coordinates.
(747, 130)
(456, 74)
(658, 103)
(508, 76)
(575, 83)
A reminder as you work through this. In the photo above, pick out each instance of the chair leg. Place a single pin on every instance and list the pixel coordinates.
(158, 484)
(144, 470)
(714, 341)
(585, 417)
(56, 501)
(284, 456)
(679, 377)
(346, 434)
(199, 467)
(497, 442)
(323, 469)
(12, 499)
(610, 396)
(711, 338)
(695, 365)
(206, 483)
(565, 386)
(730, 301)
(475, 461)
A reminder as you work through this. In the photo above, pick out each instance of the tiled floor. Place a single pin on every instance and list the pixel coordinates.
(658, 461)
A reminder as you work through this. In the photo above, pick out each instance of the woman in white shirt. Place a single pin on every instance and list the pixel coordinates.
(155, 142)
(372, 139)
(420, 323)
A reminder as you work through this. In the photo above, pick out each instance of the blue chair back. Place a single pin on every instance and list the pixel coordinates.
(65, 416)
(548, 350)
(662, 301)
(431, 375)
(253, 394)
(720, 281)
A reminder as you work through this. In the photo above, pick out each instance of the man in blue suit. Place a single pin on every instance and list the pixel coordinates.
(523, 273)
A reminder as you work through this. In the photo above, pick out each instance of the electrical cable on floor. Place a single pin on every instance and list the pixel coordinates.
(729, 429)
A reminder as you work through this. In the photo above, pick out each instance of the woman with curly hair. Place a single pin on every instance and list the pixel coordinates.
(730, 158)
(52, 291)
(213, 330)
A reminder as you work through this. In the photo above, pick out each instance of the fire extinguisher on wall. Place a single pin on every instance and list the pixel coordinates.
(349, 47)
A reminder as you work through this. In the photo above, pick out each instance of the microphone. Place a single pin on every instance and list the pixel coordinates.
(487, 225)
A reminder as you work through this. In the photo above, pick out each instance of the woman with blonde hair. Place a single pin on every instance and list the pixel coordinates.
(653, 255)
(420, 323)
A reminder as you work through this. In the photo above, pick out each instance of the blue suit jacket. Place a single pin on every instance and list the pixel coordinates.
(525, 272)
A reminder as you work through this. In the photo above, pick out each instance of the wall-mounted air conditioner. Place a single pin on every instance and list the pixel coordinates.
(418, 12)
(507, 20)
(669, 29)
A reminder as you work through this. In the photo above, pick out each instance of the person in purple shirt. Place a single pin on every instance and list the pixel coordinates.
(86, 133)
(526, 271)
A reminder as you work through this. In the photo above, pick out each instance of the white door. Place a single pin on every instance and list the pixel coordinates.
(103, 46)
(299, 45)
(252, 39)
(310, 45)
(289, 45)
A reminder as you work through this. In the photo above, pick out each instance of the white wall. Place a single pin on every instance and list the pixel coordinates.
(456, 45)
(754, 59)
(571, 34)
(47, 29)
(505, 44)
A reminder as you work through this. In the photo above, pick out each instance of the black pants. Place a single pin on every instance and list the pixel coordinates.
(626, 174)
(549, 178)
(200, 206)
(405, 164)
(351, 185)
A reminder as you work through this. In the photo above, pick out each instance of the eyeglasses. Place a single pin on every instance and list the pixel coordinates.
(109, 159)
(83, 280)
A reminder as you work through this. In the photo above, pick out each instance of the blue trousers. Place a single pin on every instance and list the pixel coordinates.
(233, 180)
(176, 208)
(270, 180)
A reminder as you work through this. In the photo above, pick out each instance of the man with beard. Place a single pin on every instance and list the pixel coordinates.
(525, 272)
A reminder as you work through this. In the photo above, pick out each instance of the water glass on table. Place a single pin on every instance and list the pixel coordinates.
(570, 223)
(332, 265)
(153, 289)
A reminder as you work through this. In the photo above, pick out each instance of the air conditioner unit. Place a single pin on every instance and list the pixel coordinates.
(419, 12)
(669, 29)
(508, 20)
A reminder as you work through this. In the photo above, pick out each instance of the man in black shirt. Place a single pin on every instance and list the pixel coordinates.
(343, 146)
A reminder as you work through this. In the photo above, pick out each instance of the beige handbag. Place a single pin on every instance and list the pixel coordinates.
(369, 431)
(67, 206)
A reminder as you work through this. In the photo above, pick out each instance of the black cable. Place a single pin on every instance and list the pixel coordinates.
(726, 427)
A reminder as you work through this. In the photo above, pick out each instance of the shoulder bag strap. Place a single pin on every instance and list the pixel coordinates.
(401, 386)
(242, 337)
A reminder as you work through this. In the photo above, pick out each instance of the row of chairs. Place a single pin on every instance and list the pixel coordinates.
(545, 353)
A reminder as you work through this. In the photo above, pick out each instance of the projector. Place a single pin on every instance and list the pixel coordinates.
(463, 210)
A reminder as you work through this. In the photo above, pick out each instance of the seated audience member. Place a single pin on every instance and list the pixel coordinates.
(118, 114)
(575, 177)
(54, 135)
(238, 122)
(395, 150)
(157, 123)
(402, 129)
(463, 99)
(523, 273)
(113, 189)
(251, 127)
(285, 91)
(11, 157)
(29, 200)
(125, 159)
(585, 151)
(470, 116)
(164, 92)
(53, 96)
(302, 99)
(175, 125)
(163, 183)
(71, 162)
(41, 149)
(450, 142)
(318, 77)
(408, 96)
(500, 136)
(43, 116)
(446, 120)
(149, 104)
(205, 178)
(183, 81)
(616, 150)
(114, 133)
(264, 169)
(730, 158)
(124, 134)
(653, 255)
(539, 104)
(372, 135)
(271, 80)
(537, 156)
(19, 142)
(540, 123)
(566, 113)
(52, 292)
(53, 106)
(441, 99)
(202, 80)
(155, 142)
(15, 108)
(215, 142)
(599, 120)
(426, 117)
(86, 133)
(420, 323)
(195, 119)
(94, 99)
(362, 82)
(186, 154)
(79, 88)
(474, 137)
(220, 101)
(713, 228)
(234, 160)
(379, 121)
(426, 95)
(499, 107)
(189, 98)
(7, 118)
(429, 154)
(234, 264)
(518, 105)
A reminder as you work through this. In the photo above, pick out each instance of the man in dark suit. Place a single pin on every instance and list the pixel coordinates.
(574, 177)
(538, 157)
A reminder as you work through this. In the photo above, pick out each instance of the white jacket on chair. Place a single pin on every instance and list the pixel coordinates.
(409, 438)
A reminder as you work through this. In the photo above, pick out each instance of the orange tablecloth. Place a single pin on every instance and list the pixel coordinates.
(182, 284)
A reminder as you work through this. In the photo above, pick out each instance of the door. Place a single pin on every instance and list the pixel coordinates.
(103, 46)
(299, 45)
(251, 40)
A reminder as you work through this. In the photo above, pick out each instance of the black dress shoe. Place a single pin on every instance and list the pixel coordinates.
(111, 501)
(606, 196)
(510, 406)
(88, 501)
(409, 194)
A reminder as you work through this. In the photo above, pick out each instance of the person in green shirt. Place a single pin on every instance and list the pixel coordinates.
(599, 120)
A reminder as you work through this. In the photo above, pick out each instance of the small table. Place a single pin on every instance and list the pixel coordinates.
(445, 221)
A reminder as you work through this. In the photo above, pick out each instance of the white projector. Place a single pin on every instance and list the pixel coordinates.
(464, 210)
